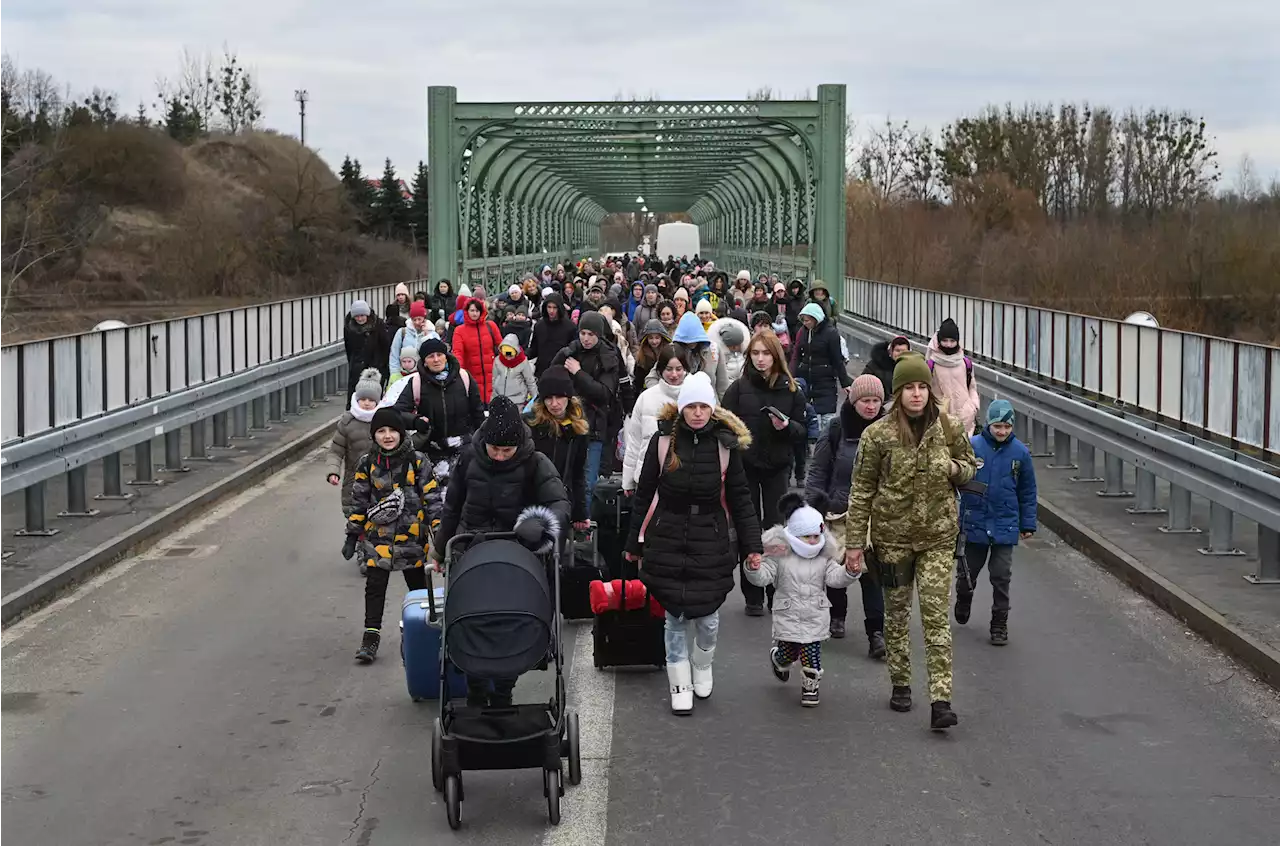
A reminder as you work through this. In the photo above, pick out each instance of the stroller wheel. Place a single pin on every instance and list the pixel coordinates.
(437, 765)
(553, 787)
(453, 801)
(575, 749)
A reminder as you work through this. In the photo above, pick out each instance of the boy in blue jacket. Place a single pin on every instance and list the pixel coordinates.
(993, 524)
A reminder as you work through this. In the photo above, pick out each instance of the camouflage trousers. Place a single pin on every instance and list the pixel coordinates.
(933, 570)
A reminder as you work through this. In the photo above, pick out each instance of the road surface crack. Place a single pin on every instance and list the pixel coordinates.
(364, 797)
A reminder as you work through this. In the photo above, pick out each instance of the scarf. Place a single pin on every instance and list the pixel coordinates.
(441, 376)
(513, 362)
(359, 413)
(803, 549)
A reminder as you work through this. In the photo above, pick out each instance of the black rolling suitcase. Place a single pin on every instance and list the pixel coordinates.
(611, 512)
(580, 569)
(629, 638)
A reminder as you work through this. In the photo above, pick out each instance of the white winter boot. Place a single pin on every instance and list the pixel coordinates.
(680, 677)
(701, 662)
(809, 687)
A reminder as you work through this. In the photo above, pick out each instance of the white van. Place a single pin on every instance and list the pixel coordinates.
(678, 239)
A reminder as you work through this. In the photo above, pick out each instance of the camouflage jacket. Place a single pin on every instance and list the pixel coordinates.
(904, 493)
(402, 542)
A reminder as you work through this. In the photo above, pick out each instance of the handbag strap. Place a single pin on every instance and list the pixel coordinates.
(664, 445)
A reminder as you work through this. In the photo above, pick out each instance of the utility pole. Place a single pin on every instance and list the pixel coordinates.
(300, 94)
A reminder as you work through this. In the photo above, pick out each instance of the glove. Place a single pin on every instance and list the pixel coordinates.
(349, 547)
(453, 442)
(441, 470)
(388, 510)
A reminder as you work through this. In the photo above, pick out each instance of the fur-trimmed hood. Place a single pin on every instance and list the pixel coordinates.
(728, 427)
(775, 543)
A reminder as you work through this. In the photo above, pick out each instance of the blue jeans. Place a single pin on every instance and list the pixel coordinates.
(595, 450)
(706, 629)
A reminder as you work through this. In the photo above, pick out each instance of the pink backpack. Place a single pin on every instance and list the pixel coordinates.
(664, 445)
(417, 386)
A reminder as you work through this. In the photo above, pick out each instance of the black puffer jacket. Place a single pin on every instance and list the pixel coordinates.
(568, 452)
(688, 563)
(772, 449)
(487, 496)
(596, 382)
(441, 305)
(450, 408)
(550, 336)
(816, 358)
(366, 346)
(831, 468)
(880, 366)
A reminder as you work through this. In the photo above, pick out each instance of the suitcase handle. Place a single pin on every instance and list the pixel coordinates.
(431, 598)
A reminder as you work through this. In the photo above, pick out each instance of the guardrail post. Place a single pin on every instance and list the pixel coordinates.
(304, 395)
(1179, 513)
(1268, 572)
(1061, 452)
(1146, 487)
(318, 389)
(111, 488)
(173, 453)
(33, 499)
(259, 406)
(143, 467)
(198, 450)
(240, 422)
(1087, 458)
(290, 399)
(1039, 439)
(78, 494)
(275, 407)
(1221, 532)
(331, 381)
(1113, 476)
(221, 435)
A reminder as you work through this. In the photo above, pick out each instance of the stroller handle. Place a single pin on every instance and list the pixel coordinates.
(432, 613)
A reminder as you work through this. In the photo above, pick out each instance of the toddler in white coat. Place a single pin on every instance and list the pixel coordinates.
(801, 560)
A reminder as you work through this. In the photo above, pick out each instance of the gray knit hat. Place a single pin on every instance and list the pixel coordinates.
(360, 309)
(370, 385)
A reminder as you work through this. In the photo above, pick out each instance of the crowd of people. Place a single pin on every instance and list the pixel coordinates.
(710, 396)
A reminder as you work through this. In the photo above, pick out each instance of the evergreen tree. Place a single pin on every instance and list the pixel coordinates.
(391, 211)
(181, 122)
(418, 210)
(140, 117)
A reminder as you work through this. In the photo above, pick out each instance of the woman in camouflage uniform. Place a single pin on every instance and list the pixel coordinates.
(904, 490)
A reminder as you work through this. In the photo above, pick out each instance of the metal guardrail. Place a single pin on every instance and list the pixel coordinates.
(57, 382)
(1232, 483)
(1193, 381)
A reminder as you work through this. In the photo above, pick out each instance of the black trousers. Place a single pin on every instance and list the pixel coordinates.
(872, 604)
(375, 591)
(766, 489)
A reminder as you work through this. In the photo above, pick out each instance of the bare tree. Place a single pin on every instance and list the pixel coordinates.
(194, 88)
(1247, 185)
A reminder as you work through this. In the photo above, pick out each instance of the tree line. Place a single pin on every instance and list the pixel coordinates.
(1075, 206)
(383, 210)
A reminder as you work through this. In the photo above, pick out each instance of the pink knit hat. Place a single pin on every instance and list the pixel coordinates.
(867, 385)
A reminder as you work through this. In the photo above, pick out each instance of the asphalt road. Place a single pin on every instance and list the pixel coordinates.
(210, 697)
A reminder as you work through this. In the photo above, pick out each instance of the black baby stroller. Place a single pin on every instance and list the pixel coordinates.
(502, 619)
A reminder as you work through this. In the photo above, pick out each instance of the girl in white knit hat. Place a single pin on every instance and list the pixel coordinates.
(801, 560)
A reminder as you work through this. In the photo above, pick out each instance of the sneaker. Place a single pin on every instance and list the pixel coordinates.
(999, 629)
(964, 603)
(809, 687)
(755, 609)
(941, 716)
(369, 646)
(875, 646)
(780, 672)
(837, 628)
(900, 700)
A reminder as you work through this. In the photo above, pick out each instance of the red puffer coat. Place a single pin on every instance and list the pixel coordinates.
(475, 344)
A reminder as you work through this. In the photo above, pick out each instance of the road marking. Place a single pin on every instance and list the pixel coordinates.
(157, 551)
(585, 808)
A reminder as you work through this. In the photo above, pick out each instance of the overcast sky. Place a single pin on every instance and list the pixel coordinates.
(367, 65)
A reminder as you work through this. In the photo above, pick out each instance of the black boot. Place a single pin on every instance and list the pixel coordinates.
(755, 609)
(369, 646)
(941, 716)
(837, 628)
(875, 646)
(964, 604)
(901, 698)
(999, 628)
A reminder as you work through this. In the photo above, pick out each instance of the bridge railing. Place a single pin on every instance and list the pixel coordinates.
(76, 399)
(1122, 395)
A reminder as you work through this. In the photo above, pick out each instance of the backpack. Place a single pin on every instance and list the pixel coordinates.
(664, 445)
(417, 385)
(968, 371)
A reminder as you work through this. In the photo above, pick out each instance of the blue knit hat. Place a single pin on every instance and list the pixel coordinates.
(1000, 411)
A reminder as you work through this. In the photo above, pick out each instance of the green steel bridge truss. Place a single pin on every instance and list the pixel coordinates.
(514, 185)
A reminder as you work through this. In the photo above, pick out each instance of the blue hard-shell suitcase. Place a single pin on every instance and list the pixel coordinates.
(420, 647)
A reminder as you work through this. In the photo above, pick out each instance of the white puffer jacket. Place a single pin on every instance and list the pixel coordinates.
(801, 610)
(641, 427)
